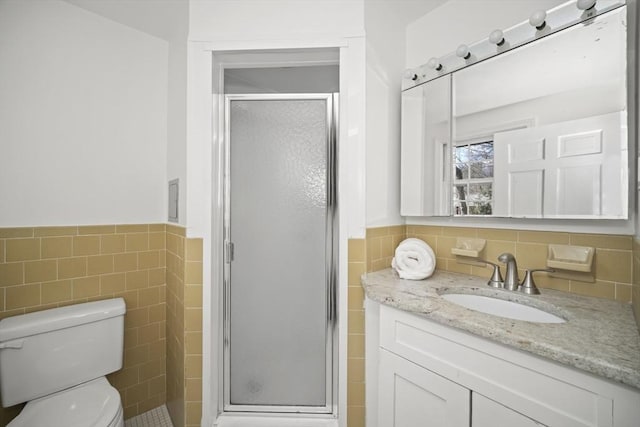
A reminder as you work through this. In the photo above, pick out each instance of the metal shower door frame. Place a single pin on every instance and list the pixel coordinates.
(331, 260)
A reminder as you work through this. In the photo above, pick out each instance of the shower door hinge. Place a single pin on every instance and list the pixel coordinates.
(228, 252)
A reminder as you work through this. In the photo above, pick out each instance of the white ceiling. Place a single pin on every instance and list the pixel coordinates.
(169, 19)
(166, 19)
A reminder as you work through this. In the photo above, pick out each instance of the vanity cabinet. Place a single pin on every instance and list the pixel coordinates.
(428, 374)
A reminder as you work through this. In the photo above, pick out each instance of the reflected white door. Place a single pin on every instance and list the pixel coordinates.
(279, 269)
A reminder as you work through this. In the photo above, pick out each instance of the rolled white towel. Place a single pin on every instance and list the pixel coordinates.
(414, 259)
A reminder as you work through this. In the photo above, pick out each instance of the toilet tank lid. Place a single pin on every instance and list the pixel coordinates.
(39, 322)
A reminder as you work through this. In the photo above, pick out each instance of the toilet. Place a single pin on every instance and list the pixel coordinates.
(56, 361)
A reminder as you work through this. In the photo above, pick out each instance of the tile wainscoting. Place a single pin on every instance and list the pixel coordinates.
(154, 267)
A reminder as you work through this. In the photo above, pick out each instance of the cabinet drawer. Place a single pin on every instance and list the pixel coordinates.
(531, 386)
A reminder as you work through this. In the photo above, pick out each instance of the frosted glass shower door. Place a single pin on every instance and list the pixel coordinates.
(279, 257)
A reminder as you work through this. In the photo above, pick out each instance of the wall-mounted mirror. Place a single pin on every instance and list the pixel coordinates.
(536, 132)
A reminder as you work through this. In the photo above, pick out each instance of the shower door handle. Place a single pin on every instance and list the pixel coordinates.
(228, 252)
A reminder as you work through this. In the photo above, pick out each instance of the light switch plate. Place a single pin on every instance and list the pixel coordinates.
(173, 200)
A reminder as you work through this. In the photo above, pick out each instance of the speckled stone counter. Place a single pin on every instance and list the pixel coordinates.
(600, 336)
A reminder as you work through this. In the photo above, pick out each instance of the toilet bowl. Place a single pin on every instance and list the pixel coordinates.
(56, 361)
(92, 404)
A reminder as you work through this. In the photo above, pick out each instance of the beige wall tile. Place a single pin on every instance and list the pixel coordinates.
(112, 283)
(355, 346)
(613, 265)
(132, 228)
(151, 369)
(136, 317)
(112, 243)
(86, 245)
(99, 264)
(598, 289)
(193, 413)
(157, 313)
(11, 273)
(56, 291)
(193, 343)
(356, 250)
(193, 319)
(193, 273)
(55, 231)
(148, 259)
(176, 229)
(355, 416)
(125, 262)
(149, 296)
(193, 389)
(444, 245)
(40, 271)
(2, 308)
(22, 296)
(157, 241)
(193, 250)
(12, 233)
(137, 279)
(193, 366)
(459, 232)
(149, 333)
(157, 228)
(546, 237)
(531, 255)
(2, 247)
(96, 229)
(623, 292)
(497, 234)
(22, 249)
(157, 277)
(85, 287)
(193, 296)
(356, 370)
(137, 242)
(56, 247)
(356, 322)
(355, 394)
(356, 297)
(356, 270)
(603, 241)
(69, 268)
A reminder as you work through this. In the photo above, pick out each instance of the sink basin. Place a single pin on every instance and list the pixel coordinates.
(502, 308)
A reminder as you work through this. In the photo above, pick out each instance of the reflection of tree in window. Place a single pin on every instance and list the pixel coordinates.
(473, 187)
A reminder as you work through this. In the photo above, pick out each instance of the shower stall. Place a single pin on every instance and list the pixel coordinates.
(280, 256)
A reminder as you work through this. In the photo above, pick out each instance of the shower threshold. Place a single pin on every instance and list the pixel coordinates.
(262, 420)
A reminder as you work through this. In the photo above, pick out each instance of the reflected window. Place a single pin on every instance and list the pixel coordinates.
(473, 179)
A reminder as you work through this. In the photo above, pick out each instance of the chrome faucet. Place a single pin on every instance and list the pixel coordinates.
(511, 280)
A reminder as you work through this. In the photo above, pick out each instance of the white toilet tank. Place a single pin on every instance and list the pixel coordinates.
(51, 350)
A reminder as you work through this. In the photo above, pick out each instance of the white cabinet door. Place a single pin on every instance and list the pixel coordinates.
(487, 413)
(411, 396)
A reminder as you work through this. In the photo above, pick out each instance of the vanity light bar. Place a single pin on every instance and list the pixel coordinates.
(539, 25)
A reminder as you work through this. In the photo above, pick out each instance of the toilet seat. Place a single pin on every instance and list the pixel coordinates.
(92, 404)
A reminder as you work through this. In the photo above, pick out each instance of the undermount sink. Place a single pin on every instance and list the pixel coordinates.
(502, 308)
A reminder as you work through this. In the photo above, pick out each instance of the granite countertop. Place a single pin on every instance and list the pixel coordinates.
(600, 336)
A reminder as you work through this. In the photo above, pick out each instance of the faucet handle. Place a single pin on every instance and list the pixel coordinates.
(528, 286)
(496, 280)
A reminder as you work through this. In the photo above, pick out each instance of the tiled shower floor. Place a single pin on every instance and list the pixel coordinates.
(158, 417)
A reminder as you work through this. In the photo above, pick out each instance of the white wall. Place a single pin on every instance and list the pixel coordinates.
(274, 19)
(82, 118)
(384, 68)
